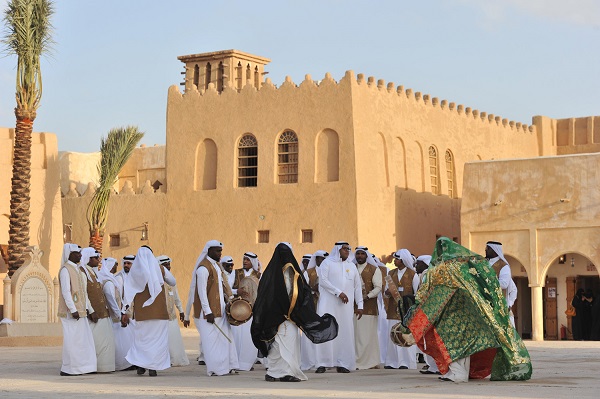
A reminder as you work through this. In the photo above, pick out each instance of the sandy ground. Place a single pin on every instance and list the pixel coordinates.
(562, 369)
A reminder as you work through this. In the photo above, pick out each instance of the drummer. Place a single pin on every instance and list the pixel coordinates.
(207, 294)
(247, 353)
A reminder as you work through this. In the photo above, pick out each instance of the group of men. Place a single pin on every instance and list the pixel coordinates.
(103, 330)
(332, 310)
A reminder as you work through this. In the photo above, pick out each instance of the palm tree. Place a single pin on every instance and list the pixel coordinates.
(115, 150)
(28, 36)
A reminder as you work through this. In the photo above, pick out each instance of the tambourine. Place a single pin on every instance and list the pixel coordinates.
(238, 311)
(401, 335)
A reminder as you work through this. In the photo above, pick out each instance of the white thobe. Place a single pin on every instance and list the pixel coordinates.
(123, 335)
(382, 328)
(284, 355)
(308, 348)
(219, 354)
(247, 352)
(335, 278)
(366, 342)
(176, 347)
(400, 356)
(150, 348)
(79, 353)
(459, 370)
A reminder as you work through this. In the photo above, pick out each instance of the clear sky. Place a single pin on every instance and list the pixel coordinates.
(114, 60)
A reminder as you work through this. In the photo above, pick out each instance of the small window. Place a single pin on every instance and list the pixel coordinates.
(455, 239)
(263, 236)
(450, 173)
(438, 236)
(433, 170)
(287, 162)
(248, 161)
(307, 236)
(115, 240)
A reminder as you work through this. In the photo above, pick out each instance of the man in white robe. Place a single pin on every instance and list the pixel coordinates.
(176, 347)
(247, 353)
(112, 293)
(339, 289)
(398, 357)
(123, 333)
(144, 288)
(207, 292)
(79, 353)
(101, 326)
(366, 342)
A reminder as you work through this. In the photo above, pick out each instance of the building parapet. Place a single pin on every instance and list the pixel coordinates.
(425, 100)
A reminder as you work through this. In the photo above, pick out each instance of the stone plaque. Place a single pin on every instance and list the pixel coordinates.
(34, 301)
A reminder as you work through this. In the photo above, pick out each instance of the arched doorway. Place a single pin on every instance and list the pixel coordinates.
(564, 276)
(522, 306)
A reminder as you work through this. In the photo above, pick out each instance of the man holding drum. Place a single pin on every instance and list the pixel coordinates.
(208, 291)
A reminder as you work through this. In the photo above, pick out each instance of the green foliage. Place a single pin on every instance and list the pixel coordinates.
(28, 35)
(115, 150)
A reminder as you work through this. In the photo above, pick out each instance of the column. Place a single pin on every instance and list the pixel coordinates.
(537, 313)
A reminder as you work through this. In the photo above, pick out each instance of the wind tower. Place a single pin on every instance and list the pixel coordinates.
(232, 68)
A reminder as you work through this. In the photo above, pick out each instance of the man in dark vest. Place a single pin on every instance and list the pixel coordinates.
(366, 342)
(406, 281)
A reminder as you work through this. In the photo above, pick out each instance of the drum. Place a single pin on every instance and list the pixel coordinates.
(238, 311)
(401, 335)
(249, 287)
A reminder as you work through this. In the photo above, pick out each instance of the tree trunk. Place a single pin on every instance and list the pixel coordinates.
(96, 240)
(18, 232)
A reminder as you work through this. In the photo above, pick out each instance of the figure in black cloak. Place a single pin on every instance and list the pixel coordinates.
(284, 304)
(576, 321)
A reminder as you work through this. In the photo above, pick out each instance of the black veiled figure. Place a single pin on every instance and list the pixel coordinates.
(274, 305)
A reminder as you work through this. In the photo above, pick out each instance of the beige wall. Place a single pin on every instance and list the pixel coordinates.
(539, 209)
(46, 213)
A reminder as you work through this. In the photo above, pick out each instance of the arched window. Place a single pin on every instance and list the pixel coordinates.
(450, 174)
(220, 80)
(434, 170)
(238, 78)
(248, 161)
(207, 75)
(287, 158)
(196, 76)
(327, 161)
(256, 77)
(206, 166)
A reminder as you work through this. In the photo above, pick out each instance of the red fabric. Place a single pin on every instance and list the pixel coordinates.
(429, 341)
(481, 364)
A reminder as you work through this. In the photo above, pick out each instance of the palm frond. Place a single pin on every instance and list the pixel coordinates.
(115, 150)
(28, 35)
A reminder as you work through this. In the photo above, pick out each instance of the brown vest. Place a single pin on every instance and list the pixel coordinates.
(369, 304)
(406, 282)
(156, 311)
(77, 293)
(212, 291)
(97, 298)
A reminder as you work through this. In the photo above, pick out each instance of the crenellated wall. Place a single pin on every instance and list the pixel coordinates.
(45, 219)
